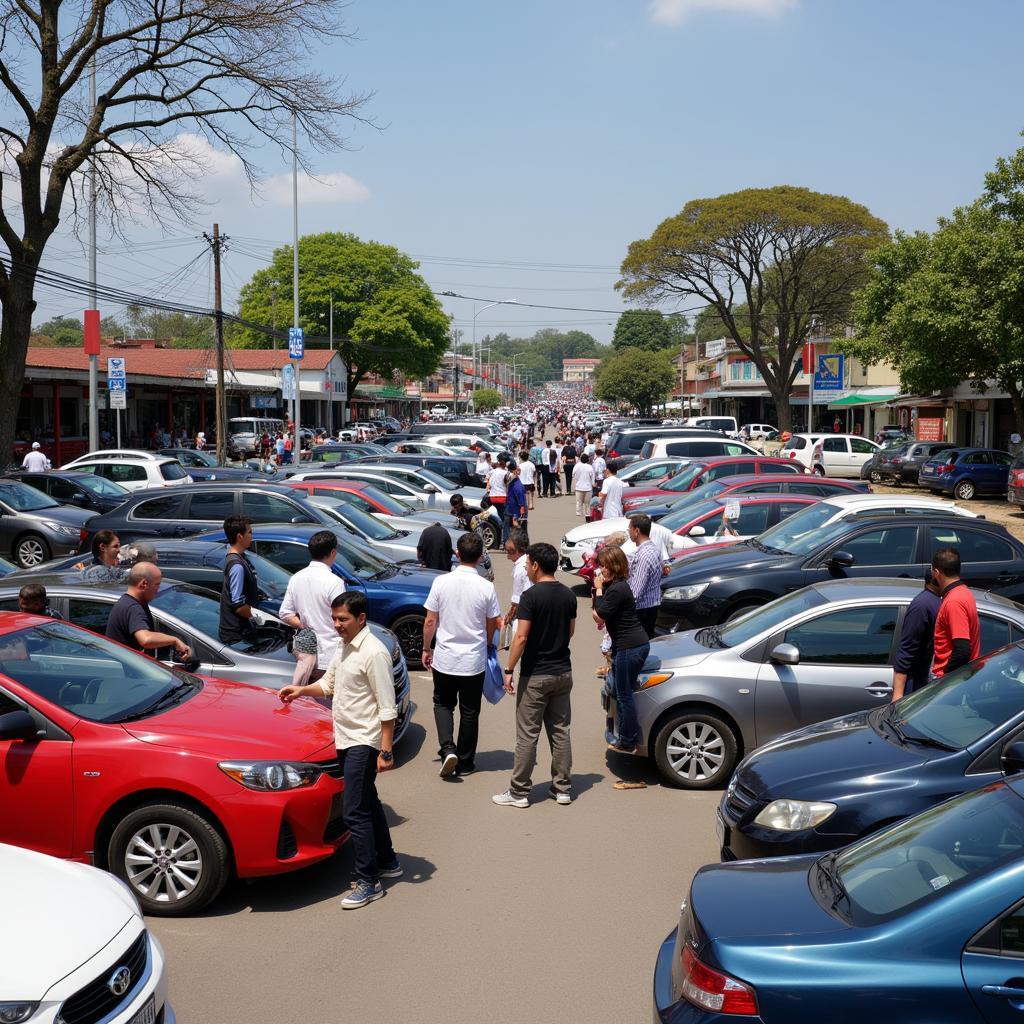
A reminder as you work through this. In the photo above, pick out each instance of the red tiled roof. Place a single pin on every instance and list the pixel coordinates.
(580, 362)
(180, 363)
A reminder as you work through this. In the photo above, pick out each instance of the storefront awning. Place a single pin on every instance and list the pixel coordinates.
(735, 393)
(866, 396)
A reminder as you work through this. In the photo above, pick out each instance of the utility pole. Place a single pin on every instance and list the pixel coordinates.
(94, 416)
(221, 421)
(330, 370)
(297, 437)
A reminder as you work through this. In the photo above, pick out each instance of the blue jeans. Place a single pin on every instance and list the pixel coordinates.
(626, 667)
(364, 815)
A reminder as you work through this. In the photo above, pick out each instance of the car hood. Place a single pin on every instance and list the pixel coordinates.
(675, 651)
(77, 911)
(471, 495)
(423, 518)
(413, 581)
(815, 759)
(261, 726)
(730, 560)
(597, 531)
(66, 515)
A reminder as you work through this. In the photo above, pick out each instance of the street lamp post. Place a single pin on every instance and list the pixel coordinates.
(476, 313)
(513, 374)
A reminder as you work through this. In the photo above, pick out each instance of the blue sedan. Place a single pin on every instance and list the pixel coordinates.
(965, 472)
(396, 593)
(918, 924)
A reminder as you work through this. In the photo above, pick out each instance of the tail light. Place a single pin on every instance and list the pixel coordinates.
(613, 454)
(711, 990)
(1018, 478)
(896, 460)
(83, 535)
(792, 453)
(946, 467)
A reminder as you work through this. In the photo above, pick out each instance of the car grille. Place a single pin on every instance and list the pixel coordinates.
(336, 826)
(95, 1001)
(287, 845)
(740, 801)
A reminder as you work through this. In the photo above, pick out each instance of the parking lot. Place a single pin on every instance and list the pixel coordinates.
(548, 914)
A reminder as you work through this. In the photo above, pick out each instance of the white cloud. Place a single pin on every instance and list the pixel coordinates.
(674, 12)
(333, 187)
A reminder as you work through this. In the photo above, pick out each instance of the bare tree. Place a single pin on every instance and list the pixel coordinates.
(170, 74)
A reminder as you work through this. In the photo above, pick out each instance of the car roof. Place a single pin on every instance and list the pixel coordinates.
(72, 474)
(760, 478)
(214, 485)
(765, 499)
(876, 518)
(74, 579)
(725, 460)
(859, 437)
(881, 588)
(861, 500)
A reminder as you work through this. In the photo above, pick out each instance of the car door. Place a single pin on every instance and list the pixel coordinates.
(159, 517)
(861, 450)
(979, 467)
(986, 560)
(207, 510)
(844, 667)
(992, 965)
(878, 550)
(271, 508)
(835, 456)
(1001, 462)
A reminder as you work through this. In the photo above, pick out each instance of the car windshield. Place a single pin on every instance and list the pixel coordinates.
(102, 486)
(804, 531)
(942, 848)
(89, 676)
(201, 612)
(434, 478)
(958, 709)
(392, 505)
(23, 498)
(365, 523)
(681, 481)
(203, 458)
(359, 562)
(687, 511)
(768, 617)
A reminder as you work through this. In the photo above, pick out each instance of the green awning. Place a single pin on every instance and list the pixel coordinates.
(861, 399)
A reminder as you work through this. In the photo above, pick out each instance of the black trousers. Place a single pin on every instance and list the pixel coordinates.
(549, 481)
(364, 815)
(467, 692)
(648, 618)
(568, 467)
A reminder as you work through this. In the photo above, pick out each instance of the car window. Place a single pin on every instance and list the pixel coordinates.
(852, 636)
(973, 545)
(122, 473)
(753, 520)
(779, 467)
(62, 490)
(159, 508)
(861, 446)
(834, 444)
(723, 469)
(22, 498)
(1002, 458)
(268, 508)
(286, 554)
(90, 614)
(894, 545)
(978, 459)
(735, 449)
(212, 506)
(775, 487)
(790, 508)
(995, 633)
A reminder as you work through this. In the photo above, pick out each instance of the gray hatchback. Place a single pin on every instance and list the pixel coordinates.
(707, 697)
(34, 528)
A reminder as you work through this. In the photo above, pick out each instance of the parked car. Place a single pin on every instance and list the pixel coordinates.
(648, 472)
(457, 472)
(1015, 490)
(800, 448)
(34, 527)
(703, 471)
(921, 922)
(626, 443)
(70, 487)
(405, 446)
(863, 771)
(891, 434)
(70, 976)
(395, 593)
(708, 588)
(172, 782)
(694, 448)
(723, 424)
(841, 455)
(965, 472)
(198, 507)
(201, 465)
(369, 498)
(758, 432)
(132, 469)
(420, 488)
(901, 463)
(707, 697)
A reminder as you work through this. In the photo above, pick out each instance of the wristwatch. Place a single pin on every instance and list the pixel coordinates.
(509, 671)
(386, 756)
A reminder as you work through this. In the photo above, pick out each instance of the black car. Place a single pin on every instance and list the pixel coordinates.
(195, 508)
(71, 487)
(459, 471)
(827, 785)
(201, 465)
(901, 463)
(710, 587)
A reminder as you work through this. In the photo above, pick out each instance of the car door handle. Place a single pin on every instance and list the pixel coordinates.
(879, 689)
(1003, 991)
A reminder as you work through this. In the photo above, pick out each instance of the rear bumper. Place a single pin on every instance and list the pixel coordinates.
(1015, 495)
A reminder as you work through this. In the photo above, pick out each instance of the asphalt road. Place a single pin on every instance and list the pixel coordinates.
(550, 914)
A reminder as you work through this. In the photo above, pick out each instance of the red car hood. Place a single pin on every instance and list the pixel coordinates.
(250, 720)
(683, 552)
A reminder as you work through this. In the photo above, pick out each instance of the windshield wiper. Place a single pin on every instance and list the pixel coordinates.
(758, 546)
(827, 870)
(888, 719)
(386, 573)
(165, 699)
(925, 741)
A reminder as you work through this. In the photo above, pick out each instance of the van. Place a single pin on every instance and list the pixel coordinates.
(438, 412)
(245, 431)
(480, 428)
(626, 443)
(693, 448)
(723, 424)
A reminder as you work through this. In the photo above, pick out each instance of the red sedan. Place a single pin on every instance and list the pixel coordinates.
(702, 471)
(172, 782)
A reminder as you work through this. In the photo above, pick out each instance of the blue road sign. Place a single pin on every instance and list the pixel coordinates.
(116, 384)
(116, 366)
(296, 343)
(830, 372)
(288, 381)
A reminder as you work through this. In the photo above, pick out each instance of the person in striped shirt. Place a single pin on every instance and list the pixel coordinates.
(645, 572)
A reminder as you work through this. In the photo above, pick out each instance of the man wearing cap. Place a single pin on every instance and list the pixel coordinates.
(35, 461)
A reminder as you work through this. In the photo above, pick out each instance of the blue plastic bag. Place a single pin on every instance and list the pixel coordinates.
(494, 678)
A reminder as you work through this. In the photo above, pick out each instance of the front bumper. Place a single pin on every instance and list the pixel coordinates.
(571, 556)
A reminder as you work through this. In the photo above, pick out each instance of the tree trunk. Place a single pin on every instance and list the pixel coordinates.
(782, 407)
(15, 330)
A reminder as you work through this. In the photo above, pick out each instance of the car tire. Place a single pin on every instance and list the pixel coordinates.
(714, 755)
(818, 470)
(409, 631)
(740, 610)
(491, 534)
(875, 477)
(31, 550)
(196, 850)
(965, 490)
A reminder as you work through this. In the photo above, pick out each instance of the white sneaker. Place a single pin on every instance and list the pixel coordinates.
(509, 799)
(448, 765)
(560, 798)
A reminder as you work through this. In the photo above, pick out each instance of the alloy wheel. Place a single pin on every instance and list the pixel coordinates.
(163, 862)
(30, 553)
(696, 751)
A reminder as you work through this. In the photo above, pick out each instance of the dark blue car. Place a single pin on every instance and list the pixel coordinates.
(396, 593)
(965, 472)
(920, 924)
(824, 786)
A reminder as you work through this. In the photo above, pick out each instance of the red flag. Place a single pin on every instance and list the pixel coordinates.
(809, 357)
(91, 336)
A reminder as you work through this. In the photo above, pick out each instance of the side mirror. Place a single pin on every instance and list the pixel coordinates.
(697, 531)
(1012, 760)
(841, 559)
(18, 725)
(785, 654)
(432, 489)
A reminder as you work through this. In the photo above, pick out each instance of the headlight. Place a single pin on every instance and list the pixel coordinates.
(269, 776)
(690, 593)
(67, 531)
(15, 1013)
(794, 815)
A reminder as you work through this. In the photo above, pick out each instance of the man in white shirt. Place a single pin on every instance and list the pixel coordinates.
(311, 591)
(35, 461)
(583, 485)
(515, 550)
(599, 466)
(483, 465)
(360, 681)
(611, 493)
(463, 612)
(528, 477)
(497, 489)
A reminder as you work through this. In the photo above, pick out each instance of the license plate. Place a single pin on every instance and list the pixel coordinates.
(720, 828)
(147, 1015)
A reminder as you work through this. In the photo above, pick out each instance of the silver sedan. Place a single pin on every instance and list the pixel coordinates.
(707, 697)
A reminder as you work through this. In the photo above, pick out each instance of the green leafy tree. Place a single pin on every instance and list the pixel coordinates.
(648, 329)
(635, 378)
(486, 400)
(386, 318)
(794, 258)
(65, 331)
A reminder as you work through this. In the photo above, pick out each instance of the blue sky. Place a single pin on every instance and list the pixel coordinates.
(557, 131)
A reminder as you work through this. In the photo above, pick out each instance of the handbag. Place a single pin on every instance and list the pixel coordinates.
(494, 678)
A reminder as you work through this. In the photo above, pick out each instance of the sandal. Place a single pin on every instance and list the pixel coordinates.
(623, 750)
(602, 673)
(622, 784)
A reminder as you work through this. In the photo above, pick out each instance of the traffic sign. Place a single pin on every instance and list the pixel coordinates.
(116, 367)
(830, 372)
(118, 398)
(288, 381)
(116, 384)
(296, 343)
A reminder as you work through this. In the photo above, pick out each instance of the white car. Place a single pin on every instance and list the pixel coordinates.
(581, 541)
(725, 424)
(757, 431)
(842, 455)
(77, 948)
(801, 447)
(132, 469)
(438, 412)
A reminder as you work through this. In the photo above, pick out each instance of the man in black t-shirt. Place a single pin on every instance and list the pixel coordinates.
(547, 620)
(434, 548)
(131, 622)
